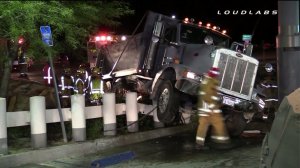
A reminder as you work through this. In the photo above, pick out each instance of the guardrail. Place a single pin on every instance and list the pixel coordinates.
(37, 117)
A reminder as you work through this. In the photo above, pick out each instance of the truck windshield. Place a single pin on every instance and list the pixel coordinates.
(195, 35)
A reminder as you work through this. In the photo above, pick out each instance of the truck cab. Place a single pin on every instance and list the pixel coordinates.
(167, 62)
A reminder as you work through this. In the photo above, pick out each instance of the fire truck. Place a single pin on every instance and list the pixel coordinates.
(166, 63)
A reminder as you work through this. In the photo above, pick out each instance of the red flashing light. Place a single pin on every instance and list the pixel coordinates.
(97, 38)
(21, 40)
(103, 38)
(186, 20)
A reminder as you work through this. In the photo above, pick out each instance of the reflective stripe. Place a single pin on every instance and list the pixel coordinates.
(87, 77)
(203, 115)
(217, 111)
(215, 98)
(202, 93)
(200, 138)
(211, 105)
(205, 105)
(215, 72)
(269, 85)
(48, 77)
(65, 96)
(97, 90)
(62, 82)
(204, 110)
(220, 138)
(271, 100)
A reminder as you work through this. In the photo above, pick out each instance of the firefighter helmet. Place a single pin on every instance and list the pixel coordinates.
(80, 71)
(84, 66)
(214, 72)
(67, 71)
(96, 71)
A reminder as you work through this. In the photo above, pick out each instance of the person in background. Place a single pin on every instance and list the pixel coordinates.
(96, 89)
(80, 84)
(66, 87)
(210, 113)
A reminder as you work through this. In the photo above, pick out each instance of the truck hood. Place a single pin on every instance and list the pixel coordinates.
(198, 57)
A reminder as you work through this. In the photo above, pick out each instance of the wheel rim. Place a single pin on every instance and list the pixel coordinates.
(163, 100)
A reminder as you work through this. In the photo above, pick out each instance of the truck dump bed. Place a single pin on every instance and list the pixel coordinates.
(131, 55)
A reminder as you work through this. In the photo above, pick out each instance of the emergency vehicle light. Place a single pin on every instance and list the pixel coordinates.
(123, 38)
(186, 20)
(103, 38)
(208, 25)
(21, 40)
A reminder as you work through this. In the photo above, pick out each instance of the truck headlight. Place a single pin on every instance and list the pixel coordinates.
(194, 76)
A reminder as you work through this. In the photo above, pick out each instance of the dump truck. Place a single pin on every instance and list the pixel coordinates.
(166, 62)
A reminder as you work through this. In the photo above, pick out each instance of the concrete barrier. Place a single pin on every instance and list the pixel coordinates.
(3, 128)
(78, 117)
(109, 114)
(132, 112)
(38, 122)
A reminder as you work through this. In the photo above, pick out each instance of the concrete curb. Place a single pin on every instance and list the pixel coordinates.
(87, 147)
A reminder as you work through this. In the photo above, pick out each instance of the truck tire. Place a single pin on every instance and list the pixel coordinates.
(235, 123)
(167, 102)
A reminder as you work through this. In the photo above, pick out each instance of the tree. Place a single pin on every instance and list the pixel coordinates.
(71, 23)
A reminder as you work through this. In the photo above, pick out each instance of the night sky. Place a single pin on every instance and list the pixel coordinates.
(207, 11)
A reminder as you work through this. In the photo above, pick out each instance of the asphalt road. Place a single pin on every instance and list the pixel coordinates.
(175, 151)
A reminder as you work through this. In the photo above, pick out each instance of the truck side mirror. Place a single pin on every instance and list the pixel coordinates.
(158, 28)
(248, 49)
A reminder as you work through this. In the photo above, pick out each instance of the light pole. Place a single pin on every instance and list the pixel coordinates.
(288, 48)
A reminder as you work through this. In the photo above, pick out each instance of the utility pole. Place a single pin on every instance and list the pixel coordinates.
(288, 48)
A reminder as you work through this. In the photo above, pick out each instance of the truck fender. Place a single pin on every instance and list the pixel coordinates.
(159, 75)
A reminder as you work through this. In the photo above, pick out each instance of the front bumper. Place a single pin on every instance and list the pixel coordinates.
(188, 86)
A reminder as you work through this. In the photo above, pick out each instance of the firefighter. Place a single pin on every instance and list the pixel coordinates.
(87, 72)
(209, 112)
(80, 84)
(95, 87)
(47, 75)
(66, 87)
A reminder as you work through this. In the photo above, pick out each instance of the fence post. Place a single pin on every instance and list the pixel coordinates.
(3, 128)
(132, 112)
(38, 122)
(109, 114)
(78, 117)
(157, 123)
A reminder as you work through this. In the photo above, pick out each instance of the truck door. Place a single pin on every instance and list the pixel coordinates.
(167, 52)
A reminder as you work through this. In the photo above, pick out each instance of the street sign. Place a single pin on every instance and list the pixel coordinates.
(247, 37)
(46, 35)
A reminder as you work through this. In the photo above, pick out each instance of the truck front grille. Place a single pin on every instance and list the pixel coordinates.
(236, 75)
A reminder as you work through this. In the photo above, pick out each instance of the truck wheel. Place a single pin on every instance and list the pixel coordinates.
(235, 123)
(166, 102)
